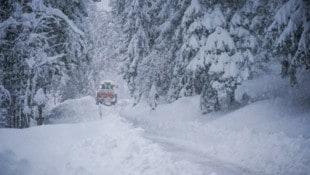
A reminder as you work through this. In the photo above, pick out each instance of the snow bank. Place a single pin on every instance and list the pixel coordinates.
(122, 150)
(11, 165)
(270, 85)
(266, 137)
(108, 146)
(74, 111)
(269, 136)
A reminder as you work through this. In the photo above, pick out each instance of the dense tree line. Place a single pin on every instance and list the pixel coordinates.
(43, 54)
(177, 48)
(208, 48)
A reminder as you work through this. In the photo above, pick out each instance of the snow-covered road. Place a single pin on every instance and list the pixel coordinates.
(174, 139)
(185, 150)
(266, 137)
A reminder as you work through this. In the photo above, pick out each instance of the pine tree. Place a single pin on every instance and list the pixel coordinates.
(227, 68)
(290, 31)
(197, 23)
(105, 54)
(135, 22)
(193, 32)
(39, 43)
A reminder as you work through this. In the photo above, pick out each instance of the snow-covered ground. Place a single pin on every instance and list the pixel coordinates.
(267, 137)
(271, 135)
(109, 145)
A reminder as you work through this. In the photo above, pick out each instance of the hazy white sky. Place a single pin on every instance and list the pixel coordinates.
(104, 5)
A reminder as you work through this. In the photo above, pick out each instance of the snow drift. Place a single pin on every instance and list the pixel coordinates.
(108, 146)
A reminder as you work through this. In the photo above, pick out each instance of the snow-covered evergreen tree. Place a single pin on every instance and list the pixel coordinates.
(194, 32)
(135, 21)
(105, 39)
(289, 34)
(198, 22)
(226, 68)
(41, 41)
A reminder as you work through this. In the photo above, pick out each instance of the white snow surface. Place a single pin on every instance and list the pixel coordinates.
(269, 136)
(107, 146)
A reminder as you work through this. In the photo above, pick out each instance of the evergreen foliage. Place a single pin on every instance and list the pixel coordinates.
(291, 32)
(42, 48)
(208, 48)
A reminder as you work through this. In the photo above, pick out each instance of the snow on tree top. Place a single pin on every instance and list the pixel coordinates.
(220, 40)
(214, 19)
(196, 62)
(236, 19)
(40, 97)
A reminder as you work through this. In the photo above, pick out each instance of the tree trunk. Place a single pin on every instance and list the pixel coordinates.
(40, 117)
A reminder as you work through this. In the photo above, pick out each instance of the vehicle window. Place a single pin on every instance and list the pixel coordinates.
(107, 86)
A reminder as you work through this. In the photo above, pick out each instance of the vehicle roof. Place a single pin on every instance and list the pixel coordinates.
(107, 81)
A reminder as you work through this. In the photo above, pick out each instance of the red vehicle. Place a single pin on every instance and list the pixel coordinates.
(106, 93)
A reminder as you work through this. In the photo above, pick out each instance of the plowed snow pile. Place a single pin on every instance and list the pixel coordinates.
(109, 146)
(270, 135)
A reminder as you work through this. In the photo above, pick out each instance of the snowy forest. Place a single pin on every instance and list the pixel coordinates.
(217, 87)
(208, 48)
(61, 49)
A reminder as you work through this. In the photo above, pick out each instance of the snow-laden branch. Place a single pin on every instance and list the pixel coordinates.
(51, 59)
(32, 63)
(39, 6)
(60, 14)
(3, 25)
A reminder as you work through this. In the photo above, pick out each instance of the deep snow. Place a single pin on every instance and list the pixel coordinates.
(267, 137)
(107, 146)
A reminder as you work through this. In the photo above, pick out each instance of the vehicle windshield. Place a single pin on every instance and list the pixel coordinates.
(107, 86)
